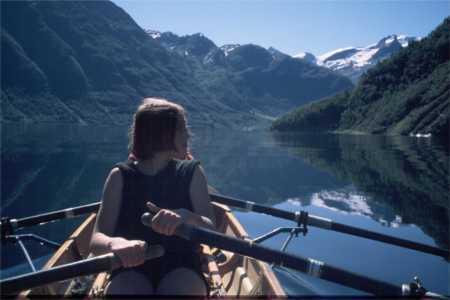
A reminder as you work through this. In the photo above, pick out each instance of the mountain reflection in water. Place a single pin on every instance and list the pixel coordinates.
(396, 179)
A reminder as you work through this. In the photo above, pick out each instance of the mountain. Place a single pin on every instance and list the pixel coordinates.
(89, 62)
(276, 54)
(196, 44)
(226, 49)
(306, 56)
(270, 81)
(406, 94)
(354, 61)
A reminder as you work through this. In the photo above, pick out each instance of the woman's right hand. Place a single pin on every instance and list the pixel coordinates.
(131, 253)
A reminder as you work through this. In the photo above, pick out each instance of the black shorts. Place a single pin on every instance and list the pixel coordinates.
(157, 268)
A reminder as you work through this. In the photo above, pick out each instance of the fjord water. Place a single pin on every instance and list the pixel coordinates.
(393, 185)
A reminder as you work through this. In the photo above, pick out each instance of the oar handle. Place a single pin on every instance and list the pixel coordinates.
(94, 265)
(152, 251)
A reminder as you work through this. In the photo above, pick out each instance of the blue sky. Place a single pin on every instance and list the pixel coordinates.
(316, 26)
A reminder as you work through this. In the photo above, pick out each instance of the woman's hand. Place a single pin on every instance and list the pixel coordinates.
(131, 253)
(166, 221)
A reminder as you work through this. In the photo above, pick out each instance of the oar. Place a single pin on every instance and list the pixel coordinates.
(94, 265)
(8, 225)
(305, 265)
(324, 223)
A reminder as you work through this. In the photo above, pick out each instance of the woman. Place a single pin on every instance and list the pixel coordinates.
(161, 181)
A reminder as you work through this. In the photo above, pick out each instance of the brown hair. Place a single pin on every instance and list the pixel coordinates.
(154, 126)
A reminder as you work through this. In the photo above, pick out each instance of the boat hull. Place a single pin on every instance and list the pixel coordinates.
(234, 275)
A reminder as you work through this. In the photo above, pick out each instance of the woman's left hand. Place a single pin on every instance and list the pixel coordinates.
(166, 221)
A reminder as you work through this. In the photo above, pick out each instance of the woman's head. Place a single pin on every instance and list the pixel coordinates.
(158, 126)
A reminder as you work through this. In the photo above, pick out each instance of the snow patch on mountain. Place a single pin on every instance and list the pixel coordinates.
(354, 61)
(328, 55)
(154, 34)
(306, 56)
(405, 40)
(226, 49)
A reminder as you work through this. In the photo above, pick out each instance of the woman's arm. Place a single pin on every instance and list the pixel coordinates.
(131, 253)
(108, 213)
(201, 203)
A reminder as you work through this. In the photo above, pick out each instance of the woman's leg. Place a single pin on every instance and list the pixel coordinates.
(182, 281)
(129, 282)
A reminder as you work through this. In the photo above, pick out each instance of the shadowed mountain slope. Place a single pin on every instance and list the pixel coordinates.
(89, 62)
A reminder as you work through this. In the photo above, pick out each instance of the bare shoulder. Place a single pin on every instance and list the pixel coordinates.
(199, 182)
(114, 178)
(113, 187)
(115, 174)
(199, 186)
(199, 174)
(201, 202)
(111, 198)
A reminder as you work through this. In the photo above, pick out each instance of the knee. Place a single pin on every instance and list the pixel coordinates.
(129, 282)
(182, 281)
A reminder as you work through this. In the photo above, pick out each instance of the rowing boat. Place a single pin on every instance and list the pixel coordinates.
(227, 273)
(234, 264)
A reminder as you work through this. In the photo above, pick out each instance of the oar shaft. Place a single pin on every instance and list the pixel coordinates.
(59, 214)
(331, 225)
(315, 221)
(389, 239)
(94, 265)
(50, 216)
(305, 265)
(86, 267)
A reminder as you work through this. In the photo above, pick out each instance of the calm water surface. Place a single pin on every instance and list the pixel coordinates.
(398, 186)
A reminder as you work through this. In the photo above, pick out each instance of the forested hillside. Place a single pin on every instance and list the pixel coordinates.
(406, 94)
(89, 62)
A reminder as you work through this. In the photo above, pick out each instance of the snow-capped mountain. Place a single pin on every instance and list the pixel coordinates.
(250, 76)
(354, 61)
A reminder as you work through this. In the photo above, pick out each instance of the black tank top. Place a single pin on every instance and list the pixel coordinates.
(169, 188)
